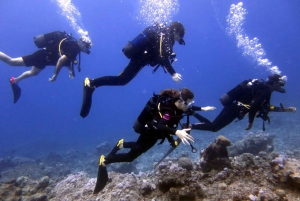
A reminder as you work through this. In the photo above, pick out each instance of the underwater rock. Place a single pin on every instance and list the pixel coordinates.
(175, 177)
(147, 187)
(280, 161)
(6, 163)
(185, 163)
(42, 184)
(252, 143)
(215, 156)
(22, 181)
(249, 177)
(25, 188)
(123, 167)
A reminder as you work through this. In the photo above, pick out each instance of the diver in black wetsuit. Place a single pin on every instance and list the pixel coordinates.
(250, 96)
(56, 49)
(154, 47)
(158, 120)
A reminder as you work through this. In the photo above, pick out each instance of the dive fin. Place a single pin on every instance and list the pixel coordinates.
(282, 109)
(16, 90)
(87, 99)
(102, 179)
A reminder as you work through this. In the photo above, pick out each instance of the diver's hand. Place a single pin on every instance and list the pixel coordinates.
(184, 136)
(207, 108)
(177, 77)
(53, 78)
(249, 126)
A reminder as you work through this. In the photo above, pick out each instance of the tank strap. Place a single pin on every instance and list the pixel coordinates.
(244, 105)
(59, 46)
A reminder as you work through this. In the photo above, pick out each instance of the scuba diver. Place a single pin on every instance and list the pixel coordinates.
(154, 47)
(158, 120)
(57, 49)
(251, 96)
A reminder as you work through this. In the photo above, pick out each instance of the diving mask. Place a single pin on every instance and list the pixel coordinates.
(189, 105)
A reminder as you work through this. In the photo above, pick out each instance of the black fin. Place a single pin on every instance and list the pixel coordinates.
(102, 179)
(87, 101)
(16, 91)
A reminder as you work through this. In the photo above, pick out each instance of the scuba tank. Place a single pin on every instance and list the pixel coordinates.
(139, 44)
(48, 39)
(136, 46)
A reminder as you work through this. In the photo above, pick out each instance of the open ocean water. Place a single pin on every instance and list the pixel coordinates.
(226, 43)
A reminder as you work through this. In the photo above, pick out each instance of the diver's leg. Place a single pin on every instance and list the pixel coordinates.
(11, 61)
(137, 148)
(226, 116)
(201, 118)
(14, 81)
(90, 85)
(143, 144)
(33, 72)
(123, 78)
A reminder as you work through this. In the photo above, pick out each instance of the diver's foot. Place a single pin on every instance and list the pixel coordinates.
(87, 98)
(87, 82)
(120, 144)
(12, 80)
(15, 88)
(102, 161)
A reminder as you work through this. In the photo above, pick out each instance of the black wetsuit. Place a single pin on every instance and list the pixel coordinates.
(158, 127)
(149, 54)
(50, 55)
(257, 97)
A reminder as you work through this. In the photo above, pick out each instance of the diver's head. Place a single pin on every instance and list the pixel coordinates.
(183, 99)
(276, 82)
(178, 30)
(84, 44)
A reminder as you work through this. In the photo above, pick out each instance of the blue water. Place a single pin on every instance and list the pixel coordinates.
(46, 118)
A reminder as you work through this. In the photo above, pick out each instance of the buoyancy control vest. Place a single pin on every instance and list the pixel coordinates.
(53, 40)
(152, 108)
(243, 90)
(151, 111)
(48, 39)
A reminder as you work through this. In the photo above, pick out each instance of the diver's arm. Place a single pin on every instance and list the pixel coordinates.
(163, 122)
(251, 117)
(60, 63)
(254, 108)
(175, 76)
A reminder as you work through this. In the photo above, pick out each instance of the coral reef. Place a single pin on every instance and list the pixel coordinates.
(215, 156)
(244, 176)
(249, 178)
(24, 188)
